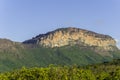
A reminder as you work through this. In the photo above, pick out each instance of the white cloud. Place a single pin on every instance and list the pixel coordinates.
(118, 43)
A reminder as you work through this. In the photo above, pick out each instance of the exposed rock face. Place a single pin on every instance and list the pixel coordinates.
(72, 36)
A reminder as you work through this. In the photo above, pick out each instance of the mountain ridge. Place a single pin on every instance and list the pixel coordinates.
(70, 36)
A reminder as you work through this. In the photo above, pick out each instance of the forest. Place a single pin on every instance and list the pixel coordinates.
(101, 71)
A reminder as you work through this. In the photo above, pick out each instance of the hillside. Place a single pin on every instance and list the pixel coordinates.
(64, 46)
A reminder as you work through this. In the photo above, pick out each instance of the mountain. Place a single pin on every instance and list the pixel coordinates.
(74, 36)
(70, 36)
(63, 46)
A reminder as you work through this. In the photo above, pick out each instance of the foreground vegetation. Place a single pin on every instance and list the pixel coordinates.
(106, 71)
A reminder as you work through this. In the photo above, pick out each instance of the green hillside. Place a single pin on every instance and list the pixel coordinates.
(41, 56)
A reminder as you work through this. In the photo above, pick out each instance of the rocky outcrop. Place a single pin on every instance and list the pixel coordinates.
(72, 36)
(8, 45)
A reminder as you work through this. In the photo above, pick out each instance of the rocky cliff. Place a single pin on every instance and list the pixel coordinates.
(72, 36)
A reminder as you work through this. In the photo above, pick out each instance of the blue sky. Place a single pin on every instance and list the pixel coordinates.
(24, 19)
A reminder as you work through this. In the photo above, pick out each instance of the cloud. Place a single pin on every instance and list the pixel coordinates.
(118, 43)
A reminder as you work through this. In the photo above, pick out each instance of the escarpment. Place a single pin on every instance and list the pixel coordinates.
(72, 36)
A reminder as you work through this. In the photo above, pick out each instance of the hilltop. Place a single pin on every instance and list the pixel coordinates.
(71, 36)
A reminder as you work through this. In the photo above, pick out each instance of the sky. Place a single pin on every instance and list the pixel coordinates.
(23, 19)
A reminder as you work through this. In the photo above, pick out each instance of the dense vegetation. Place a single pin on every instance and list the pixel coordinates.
(42, 57)
(106, 71)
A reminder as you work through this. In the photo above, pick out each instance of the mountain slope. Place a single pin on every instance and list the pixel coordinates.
(64, 46)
